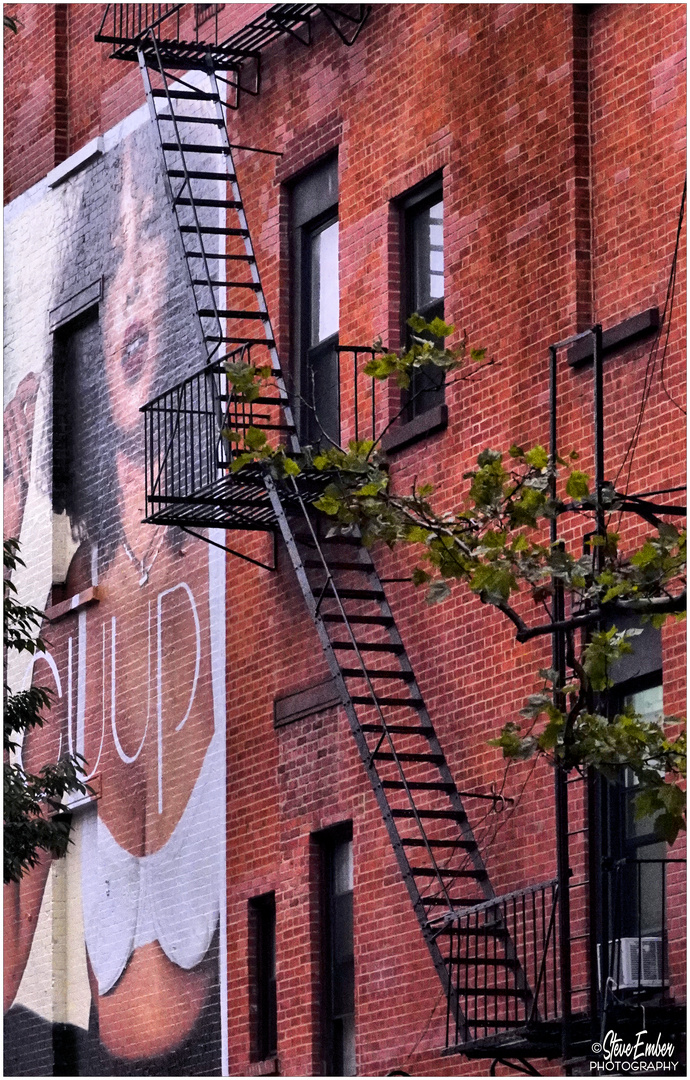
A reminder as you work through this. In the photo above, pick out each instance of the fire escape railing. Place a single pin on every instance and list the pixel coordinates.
(129, 22)
(490, 996)
(190, 449)
(638, 962)
(128, 25)
(188, 458)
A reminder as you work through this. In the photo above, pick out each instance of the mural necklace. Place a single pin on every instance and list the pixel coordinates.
(151, 554)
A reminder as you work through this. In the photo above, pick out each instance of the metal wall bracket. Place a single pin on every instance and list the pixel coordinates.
(238, 554)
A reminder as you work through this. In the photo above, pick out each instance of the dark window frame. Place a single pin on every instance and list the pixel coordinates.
(426, 392)
(619, 843)
(262, 978)
(315, 189)
(312, 355)
(332, 1043)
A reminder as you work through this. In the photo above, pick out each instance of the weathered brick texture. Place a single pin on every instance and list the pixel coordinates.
(560, 135)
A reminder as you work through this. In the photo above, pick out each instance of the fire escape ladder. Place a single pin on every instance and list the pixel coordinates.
(211, 221)
(422, 808)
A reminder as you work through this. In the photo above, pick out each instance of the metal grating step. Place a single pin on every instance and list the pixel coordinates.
(400, 729)
(364, 620)
(195, 148)
(199, 174)
(372, 673)
(334, 564)
(226, 204)
(188, 95)
(213, 284)
(425, 871)
(219, 256)
(225, 313)
(330, 593)
(213, 230)
(417, 785)
(174, 118)
(268, 342)
(411, 703)
(369, 646)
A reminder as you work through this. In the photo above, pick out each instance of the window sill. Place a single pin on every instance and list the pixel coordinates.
(74, 603)
(427, 423)
(267, 1067)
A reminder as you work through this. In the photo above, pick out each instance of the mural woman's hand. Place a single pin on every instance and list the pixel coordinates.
(19, 426)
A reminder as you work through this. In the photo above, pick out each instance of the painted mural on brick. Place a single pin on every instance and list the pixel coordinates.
(114, 954)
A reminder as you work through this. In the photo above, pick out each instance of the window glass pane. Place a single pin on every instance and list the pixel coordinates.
(436, 251)
(325, 293)
(341, 960)
(342, 858)
(427, 255)
(648, 703)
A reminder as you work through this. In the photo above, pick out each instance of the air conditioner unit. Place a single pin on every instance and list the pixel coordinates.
(624, 962)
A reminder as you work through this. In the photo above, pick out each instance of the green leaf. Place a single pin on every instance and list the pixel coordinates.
(645, 556)
(577, 486)
(417, 323)
(328, 505)
(255, 438)
(290, 467)
(537, 457)
(415, 534)
(439, 328)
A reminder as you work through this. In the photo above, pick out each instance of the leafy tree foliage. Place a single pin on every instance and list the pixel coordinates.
(35, 819)
(497, 544)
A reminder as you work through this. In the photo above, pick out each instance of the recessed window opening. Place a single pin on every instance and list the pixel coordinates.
(636, 900)
(316, 304)
(338, 952)
(423, 261)
(262, 977)
(79, 496)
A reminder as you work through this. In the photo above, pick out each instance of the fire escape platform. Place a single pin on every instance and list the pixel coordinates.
(231, 503)
(244, 45)
(542, 1039)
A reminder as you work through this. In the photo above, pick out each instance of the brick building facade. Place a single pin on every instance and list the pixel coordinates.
(200, 923)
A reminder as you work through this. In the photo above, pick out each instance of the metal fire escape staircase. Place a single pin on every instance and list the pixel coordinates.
(480, 955)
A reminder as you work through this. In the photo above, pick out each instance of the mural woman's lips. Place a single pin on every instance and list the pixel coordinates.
(134, 352)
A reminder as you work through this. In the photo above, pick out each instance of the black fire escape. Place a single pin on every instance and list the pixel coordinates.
(505, 962)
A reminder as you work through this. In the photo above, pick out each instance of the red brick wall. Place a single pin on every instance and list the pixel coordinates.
(561, 141)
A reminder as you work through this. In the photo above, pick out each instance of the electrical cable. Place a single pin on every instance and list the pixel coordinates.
(665, 323)
(673, 293)
(426, 1027)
